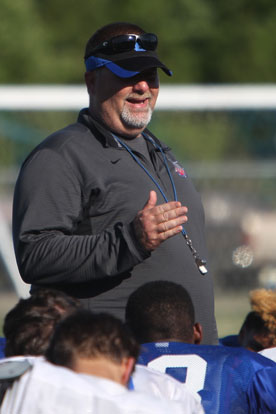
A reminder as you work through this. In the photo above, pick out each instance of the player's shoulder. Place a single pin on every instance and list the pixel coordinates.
(144, 373)
(208, 352)
(239, 355)
(159, 385)
(241, 360)
(175, 347)
(167, 347)
(247, 355)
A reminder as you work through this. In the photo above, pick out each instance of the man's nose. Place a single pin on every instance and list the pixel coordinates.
(141, 86)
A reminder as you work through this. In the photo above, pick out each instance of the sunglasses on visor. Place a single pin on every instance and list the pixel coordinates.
(128, 42)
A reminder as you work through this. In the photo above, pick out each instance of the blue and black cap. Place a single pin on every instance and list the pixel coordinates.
(126, 55)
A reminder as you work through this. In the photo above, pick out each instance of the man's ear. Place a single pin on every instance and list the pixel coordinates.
(127, 368)
(197, 333)
(90, 80)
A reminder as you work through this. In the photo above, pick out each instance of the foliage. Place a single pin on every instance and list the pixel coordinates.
(203, 41)
(209, 136)
(193, 136)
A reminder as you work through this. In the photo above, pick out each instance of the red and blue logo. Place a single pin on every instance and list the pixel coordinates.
(179, 170)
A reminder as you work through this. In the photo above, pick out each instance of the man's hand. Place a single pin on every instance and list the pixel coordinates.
(154, 224)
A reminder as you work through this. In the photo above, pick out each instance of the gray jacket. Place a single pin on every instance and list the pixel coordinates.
(75, 200)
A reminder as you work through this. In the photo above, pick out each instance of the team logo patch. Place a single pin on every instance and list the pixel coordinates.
(179, 170)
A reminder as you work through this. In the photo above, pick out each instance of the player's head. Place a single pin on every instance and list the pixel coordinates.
(259, 328)
(93, 344)
(252, 328)
(29, 325)
(162, 311)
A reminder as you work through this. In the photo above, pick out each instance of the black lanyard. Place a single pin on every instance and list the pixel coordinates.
(199, 262)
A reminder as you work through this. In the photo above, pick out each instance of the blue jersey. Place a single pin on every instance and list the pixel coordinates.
(2, 347)
(221, 375)
(230, 340)
(264, 382)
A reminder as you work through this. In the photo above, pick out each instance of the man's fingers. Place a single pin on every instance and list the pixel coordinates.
(172, 214)
(162, 208)
(156, 223)
(166, 226)
(152, 200)
(169, 233)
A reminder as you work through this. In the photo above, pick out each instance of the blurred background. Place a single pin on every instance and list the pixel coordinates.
(229, 149)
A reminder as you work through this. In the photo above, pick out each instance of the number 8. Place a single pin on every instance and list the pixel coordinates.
(196, 368)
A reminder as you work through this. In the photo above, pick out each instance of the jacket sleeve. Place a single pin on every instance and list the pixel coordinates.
(46, 210)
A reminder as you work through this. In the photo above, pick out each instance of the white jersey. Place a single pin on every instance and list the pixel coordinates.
(162, 385)
(45, 389)
(269, 353)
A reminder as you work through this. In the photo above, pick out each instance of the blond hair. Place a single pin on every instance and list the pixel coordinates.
(263, 302)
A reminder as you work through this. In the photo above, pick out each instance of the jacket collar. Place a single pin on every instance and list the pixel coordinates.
(103, 135)
(100, 132)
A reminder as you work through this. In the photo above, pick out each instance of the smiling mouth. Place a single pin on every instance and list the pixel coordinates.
(138, 102)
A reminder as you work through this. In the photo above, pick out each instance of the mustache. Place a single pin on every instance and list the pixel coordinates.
(139, 97)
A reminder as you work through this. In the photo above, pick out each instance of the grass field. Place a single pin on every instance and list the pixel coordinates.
(231, 308)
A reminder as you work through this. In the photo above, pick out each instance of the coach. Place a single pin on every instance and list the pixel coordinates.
(102, 206)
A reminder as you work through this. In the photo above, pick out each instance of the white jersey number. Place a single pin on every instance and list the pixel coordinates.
(195, 365)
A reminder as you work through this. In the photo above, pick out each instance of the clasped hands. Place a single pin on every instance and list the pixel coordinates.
(156, 223)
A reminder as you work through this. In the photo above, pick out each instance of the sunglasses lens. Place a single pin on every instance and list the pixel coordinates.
(126, 43)
(123, 43)
(148, 41)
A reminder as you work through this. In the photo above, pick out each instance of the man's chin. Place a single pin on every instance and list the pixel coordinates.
(134, 121)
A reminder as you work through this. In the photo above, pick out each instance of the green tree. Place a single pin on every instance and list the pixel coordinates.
(202, 41)
(23, 46)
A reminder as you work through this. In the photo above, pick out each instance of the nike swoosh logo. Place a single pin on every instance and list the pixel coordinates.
(115, 161)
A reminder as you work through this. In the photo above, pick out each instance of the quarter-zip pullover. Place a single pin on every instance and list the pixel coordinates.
(75, 200)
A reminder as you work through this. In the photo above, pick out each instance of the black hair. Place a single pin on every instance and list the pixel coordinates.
(252, 326)
(160, 310)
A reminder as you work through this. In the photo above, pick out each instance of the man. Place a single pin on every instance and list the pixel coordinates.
(45, 388)
(83, 341)
(161, 315)
(100, 345)
(99, 206)
(258, 331)
(102, 354)
(30, 324)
